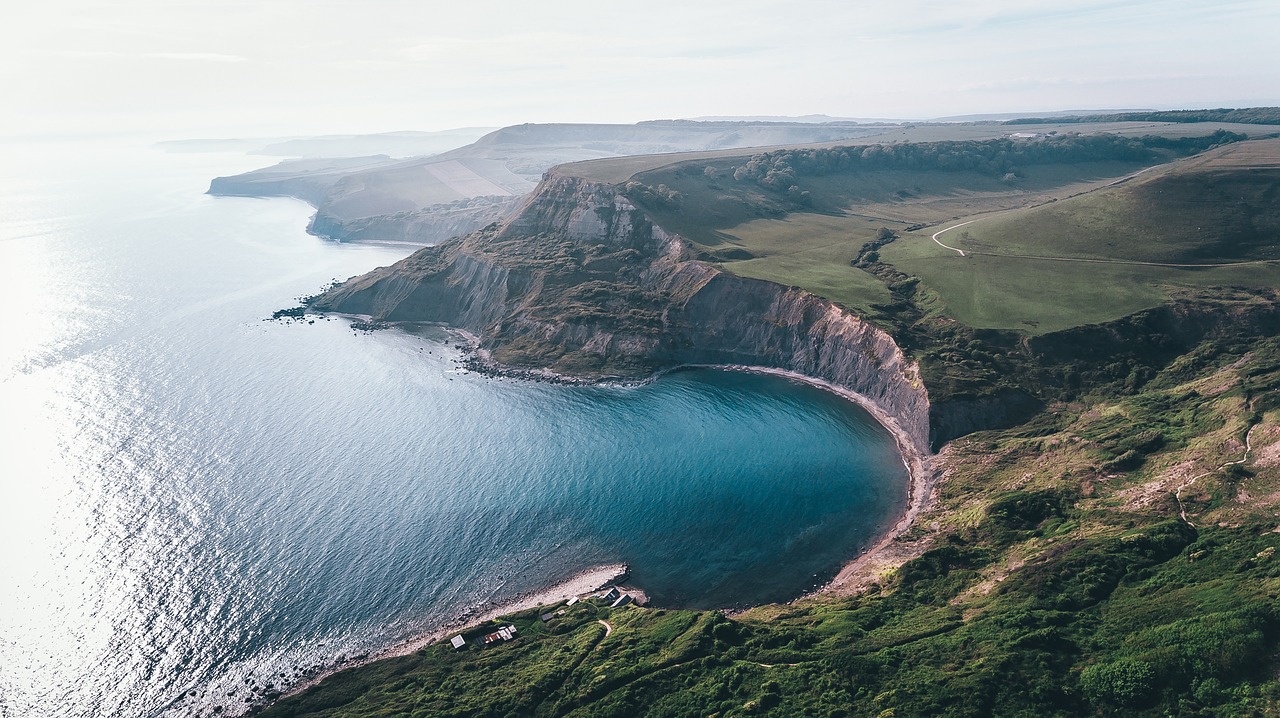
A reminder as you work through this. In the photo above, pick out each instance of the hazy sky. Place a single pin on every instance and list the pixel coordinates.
(290, 67)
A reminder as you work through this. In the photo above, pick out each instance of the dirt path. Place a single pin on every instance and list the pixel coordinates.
(607, 627)
(1248, 446)
(948, 229)
(1126, 178)
(1087, 260)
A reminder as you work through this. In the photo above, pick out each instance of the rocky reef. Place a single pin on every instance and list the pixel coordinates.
(580, 281)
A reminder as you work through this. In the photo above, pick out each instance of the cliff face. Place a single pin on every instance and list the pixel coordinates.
(429, 225)
(581, 281)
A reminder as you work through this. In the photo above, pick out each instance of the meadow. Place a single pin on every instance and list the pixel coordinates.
(1052, 245)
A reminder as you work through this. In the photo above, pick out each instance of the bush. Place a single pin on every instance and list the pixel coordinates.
(1124, 682)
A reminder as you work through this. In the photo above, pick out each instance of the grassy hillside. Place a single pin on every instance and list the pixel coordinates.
(1055, 577)
(803, 218)
(1217, 209)
(1111, 550)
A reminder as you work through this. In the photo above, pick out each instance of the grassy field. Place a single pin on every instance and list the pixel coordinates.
(1215, 209)
(1219, 208)
(1212, 208)
(811, 251)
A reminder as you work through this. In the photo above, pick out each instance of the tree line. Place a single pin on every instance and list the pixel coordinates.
(1245, 115)
(781, 170)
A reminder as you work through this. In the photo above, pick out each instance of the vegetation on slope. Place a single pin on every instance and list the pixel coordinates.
(800, 217)
(968, 319)
(1218, 209)
(1112, 551)
(1059, 580)
(1245, 116)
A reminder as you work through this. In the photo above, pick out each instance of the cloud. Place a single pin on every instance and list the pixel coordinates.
(180, 56)
(195, 56)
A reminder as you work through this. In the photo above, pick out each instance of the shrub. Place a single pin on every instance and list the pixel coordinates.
(1124, 682)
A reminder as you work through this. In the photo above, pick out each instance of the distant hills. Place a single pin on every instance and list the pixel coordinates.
(430, 198)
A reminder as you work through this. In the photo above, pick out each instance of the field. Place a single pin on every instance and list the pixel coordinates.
(1116, 221)
(1214, 210)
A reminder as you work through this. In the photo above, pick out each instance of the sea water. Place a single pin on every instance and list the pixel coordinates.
(193, 498)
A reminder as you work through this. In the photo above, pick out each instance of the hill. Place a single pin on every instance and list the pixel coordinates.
(1097, 533)
(424, 200)
(797, 218)
(1207, 221)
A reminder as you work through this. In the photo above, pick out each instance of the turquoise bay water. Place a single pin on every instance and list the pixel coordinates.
(191, 497)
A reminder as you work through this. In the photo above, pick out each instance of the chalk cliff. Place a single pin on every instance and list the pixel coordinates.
(581, 281)
(427, 225)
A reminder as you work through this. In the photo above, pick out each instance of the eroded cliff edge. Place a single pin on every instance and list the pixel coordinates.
(580, 281)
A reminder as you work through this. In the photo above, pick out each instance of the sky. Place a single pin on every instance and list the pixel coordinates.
(184, 68)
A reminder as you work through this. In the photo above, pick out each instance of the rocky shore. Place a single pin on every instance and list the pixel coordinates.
(580, 584)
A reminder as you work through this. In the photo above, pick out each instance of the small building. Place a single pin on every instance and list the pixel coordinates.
(506, 633)
(547, 617)
(458, 642)
(572, 601)
(623, 600)
(610, 595)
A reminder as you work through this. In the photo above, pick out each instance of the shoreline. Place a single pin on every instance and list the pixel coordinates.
(921, 475)
(921, 465)
(584, 582)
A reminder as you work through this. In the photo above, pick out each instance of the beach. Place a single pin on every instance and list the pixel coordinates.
(584, 582)
(922, 473)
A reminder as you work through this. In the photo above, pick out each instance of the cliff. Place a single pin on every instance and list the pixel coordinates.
(421, 226)
(583, 282)
(426, 200)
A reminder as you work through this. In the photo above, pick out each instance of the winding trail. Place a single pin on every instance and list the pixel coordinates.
(608, 628)
(1085, 260)
(1177, 494)
(948, 229)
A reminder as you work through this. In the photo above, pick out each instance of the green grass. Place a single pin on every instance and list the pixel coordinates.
(1039, 296)
(754, 234)
(810, 251)
(1218, 207)
(1196, 217)
(1202, 211)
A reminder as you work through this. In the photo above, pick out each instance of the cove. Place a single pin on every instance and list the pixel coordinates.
(203, 500)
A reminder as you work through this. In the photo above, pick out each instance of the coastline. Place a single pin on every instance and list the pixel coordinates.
(851, 578)
(583, 582)
(921, 472)
(923, 468)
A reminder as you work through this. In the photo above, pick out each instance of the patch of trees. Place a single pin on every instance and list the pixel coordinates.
(1245, 115)
(783, 170)
(869, 253)
(659, 196)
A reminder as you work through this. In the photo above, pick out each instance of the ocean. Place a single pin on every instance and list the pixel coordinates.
(193, 499)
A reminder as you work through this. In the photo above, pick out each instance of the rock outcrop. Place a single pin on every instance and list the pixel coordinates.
(428, 225)
(581, 281)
